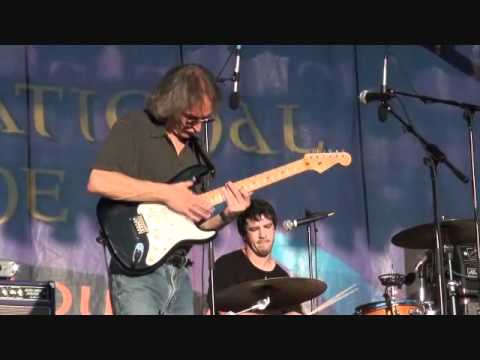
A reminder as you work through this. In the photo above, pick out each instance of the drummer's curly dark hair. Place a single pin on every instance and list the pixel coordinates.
(257, 208)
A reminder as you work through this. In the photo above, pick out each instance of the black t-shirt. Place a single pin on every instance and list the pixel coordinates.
(138, 146)
(235, 268)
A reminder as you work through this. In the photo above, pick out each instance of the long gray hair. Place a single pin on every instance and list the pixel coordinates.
(181, 88)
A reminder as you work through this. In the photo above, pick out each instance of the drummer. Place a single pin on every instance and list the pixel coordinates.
(254, 260)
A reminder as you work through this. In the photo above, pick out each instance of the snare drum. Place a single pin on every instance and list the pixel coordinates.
(403, 307)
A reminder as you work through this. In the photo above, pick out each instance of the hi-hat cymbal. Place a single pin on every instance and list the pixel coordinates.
(454, 232)
(284, 292)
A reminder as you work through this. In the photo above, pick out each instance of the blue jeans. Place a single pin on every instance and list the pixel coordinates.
(166, 291)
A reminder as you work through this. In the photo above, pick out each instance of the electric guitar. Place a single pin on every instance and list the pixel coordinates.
(141, 235)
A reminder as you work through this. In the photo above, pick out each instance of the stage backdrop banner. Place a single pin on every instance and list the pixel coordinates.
(58, 104)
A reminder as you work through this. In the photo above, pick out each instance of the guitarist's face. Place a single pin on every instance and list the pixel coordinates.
(260, 235)
(191, 120)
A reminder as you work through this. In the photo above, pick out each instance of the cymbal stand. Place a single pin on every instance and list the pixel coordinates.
(390, 296)
(310, 260)
(452, 284)
(312, 253)
(469, 112)
(315, 232)
(421, 290)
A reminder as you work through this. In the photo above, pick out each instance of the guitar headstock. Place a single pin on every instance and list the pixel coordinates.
(322, 161)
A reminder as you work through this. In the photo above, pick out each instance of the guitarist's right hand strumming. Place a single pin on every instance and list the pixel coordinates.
(182, 200)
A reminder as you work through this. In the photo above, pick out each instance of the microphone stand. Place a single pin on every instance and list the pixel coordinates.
(308, 214)
(309, 251)
(468, 115)
(205, 188)
(221, 80)
(211, 253)
(315, 231)
(312, 254)
(434, 156)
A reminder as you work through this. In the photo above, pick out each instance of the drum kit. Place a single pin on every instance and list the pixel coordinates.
(276, 295)
(462, 285)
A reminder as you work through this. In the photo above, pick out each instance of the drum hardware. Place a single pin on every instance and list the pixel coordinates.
(260, 306)
(457, 234)
(428, 308)
(452, 284)
(392, 305)
(420, 271)
(392, 283)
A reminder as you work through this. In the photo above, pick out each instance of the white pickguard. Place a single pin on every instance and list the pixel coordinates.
(166, 229)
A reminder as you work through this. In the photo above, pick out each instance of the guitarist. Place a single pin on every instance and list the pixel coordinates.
(142, 153)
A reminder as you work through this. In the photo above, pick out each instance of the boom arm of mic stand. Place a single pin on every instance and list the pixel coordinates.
(429, 99)
(436, 154)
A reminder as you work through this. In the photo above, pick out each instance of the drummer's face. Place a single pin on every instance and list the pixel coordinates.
(260, 235)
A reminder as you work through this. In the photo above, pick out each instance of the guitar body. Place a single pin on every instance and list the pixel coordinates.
(140, 236)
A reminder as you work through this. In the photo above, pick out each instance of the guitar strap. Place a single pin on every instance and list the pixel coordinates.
(197, 148)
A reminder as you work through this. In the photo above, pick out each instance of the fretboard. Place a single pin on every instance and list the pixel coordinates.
(264, 179)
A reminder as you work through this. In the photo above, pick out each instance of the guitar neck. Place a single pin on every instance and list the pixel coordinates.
(264, 179)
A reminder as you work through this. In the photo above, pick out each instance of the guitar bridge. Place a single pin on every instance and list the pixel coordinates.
(139, 224)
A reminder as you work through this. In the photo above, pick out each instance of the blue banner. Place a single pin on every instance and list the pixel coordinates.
(58, 103)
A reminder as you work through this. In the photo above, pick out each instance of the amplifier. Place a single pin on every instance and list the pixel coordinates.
(465, 269)
(27, 298)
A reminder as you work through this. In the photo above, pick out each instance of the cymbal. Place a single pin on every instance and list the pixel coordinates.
(284, 292)
(454, 232)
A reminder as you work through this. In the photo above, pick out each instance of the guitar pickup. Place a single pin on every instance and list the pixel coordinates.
(139, 224)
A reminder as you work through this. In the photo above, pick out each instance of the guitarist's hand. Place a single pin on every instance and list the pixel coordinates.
(238, 200)
(182, 200)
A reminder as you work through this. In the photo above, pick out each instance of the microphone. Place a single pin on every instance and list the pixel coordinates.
(385, 74)
(367, 96)
(385, 94)
(383, 107)
(292, 224)
(235, 96)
